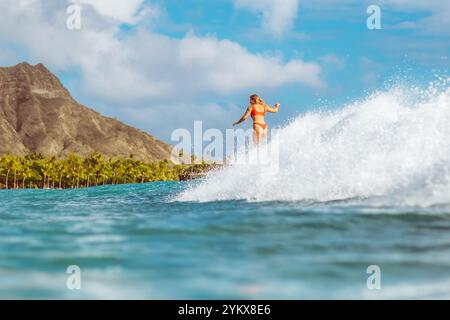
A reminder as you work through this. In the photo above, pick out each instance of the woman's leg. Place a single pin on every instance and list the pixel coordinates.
(265, 134)
(258, 133)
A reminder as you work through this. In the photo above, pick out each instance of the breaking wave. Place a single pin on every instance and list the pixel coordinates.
(393, 146)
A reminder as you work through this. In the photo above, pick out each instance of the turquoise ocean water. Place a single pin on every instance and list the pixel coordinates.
(378, 171)
(135, 241)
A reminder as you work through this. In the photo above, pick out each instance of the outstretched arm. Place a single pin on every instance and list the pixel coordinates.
(274, 109)
(244, 117)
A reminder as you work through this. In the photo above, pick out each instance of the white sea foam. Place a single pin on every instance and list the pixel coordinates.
(393, 145)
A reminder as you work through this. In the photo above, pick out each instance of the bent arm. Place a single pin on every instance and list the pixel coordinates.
(244, 117)
(274, 109)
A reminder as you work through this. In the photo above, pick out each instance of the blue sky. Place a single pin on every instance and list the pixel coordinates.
(159, 65)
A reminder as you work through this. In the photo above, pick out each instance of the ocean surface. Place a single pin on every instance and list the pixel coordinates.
(331, 196)
(135, 241)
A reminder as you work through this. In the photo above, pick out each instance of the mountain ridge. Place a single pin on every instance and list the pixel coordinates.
(39, 115)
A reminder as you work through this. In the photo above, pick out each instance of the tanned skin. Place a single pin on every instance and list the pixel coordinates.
(259, 133)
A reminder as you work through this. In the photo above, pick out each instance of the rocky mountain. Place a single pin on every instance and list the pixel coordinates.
(37, 114)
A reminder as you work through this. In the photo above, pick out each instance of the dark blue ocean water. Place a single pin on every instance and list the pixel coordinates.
(134, 241)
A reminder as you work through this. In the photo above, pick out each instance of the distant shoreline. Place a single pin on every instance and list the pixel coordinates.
(74, 172)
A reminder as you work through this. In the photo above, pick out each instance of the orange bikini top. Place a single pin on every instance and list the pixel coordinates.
(256, 113)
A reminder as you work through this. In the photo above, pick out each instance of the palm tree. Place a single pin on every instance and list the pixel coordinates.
(2, 167)
(26, 172)
(8, 165)
(75, 166)
(46, 167)
(59, 172)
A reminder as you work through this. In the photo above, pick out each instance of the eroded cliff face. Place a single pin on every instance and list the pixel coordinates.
(37, 114)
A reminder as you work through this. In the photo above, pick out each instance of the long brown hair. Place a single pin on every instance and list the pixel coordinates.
(255, 99)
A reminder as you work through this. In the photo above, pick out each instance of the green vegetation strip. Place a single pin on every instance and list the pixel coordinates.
(36, 171)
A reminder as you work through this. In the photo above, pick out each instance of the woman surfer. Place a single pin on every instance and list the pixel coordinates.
(257, 110)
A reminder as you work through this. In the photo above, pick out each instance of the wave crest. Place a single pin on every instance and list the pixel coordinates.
(394, 145)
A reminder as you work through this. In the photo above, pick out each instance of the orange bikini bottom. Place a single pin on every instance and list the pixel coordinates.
(262, 125)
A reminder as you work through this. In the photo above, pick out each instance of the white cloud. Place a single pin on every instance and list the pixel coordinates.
(278, 16)
(333, 60)
(144, 65)
(125, 11)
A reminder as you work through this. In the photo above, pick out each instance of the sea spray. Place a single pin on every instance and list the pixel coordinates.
(393, 146)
